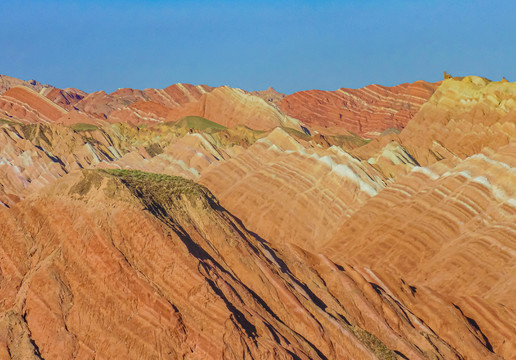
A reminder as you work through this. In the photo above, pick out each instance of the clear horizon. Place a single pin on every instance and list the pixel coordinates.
(288, 45)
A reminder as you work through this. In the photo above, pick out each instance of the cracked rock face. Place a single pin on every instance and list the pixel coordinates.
(242, 232)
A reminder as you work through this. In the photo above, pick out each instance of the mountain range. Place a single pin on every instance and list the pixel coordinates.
(199, 222)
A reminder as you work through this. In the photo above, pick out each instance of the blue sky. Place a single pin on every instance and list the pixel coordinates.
(290, 45)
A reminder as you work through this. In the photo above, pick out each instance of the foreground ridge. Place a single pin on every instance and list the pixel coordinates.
(189, 271)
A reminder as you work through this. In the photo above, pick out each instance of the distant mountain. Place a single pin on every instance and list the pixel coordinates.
(367, 111)
(7, 82)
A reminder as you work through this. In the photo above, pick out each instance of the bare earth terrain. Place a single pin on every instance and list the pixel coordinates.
(195, 222)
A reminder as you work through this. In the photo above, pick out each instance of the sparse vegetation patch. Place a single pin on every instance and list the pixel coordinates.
(199, 123)
(83, 127)
(373, 343)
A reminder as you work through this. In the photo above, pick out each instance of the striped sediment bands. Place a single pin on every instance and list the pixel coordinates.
(453, 231)
(231, 107)
(401, 248)
(66, 98)
(177, 95)
(288, 193)
(365, 111)
(153, 105)
(23, 104)
(463, 117)
(183, 93)
(191, 279)
(124, 105)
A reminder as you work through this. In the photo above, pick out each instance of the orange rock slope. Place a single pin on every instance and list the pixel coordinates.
(230, 107)
(7, 82)
(367, 111)
(291, 190)
(25, 104)
(136, 265)
(124, 235)
(452, 231)
(121, 104)
(28, 102)
(450, 226)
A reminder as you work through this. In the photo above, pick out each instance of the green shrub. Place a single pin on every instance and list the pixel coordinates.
(373, 343)
(8, 122)
(84, 127)
(157, 185)
(296, 133)
(199, 123)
